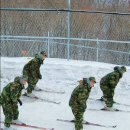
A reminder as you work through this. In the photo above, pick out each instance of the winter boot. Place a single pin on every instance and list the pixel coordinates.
(17, 122)
(29, 95)
(103, 98)
(84, 121)
(110, 109)
(9, 128)
(37, 89)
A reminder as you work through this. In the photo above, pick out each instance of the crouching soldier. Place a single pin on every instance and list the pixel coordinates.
(32, 71)
(108, 84)
(10, 97)
(78, 100)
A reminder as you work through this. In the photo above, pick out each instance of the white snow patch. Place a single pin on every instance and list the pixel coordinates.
(62, 75)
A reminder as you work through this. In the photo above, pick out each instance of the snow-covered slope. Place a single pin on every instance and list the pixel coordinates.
(62, 75)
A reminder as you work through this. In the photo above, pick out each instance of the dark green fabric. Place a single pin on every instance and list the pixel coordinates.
(10, 95)
(32, 71)
(78, 118)
(108, 84)
(11, 112)
(77, 103)
(31, 84)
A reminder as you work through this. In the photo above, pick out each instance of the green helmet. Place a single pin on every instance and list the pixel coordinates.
(17, 79)
(20, 79)
(123, 68)
(43, 52)
(40, 54)
(23, 78)
(92, 78)
(116, 68)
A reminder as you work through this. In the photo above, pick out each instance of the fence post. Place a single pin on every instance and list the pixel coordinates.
(97, 49)
(68, 28)
(129, 58)
(48, 45)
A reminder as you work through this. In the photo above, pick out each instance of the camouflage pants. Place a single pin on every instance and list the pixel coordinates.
(11, 112)
(78, 118)
(31, 84)
(107, 94)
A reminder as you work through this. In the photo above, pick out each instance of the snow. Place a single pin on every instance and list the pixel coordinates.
(62, 75)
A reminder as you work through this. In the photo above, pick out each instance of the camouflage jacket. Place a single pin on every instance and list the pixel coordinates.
(111, 79)
(32, 68)
(79, 96)
(11, 92)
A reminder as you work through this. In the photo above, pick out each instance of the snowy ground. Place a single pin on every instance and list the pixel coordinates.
(62, 75)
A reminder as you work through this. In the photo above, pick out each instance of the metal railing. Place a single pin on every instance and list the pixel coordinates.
(64, 41)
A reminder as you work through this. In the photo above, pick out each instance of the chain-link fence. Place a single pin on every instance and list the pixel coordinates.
(85, 25)
(58, 47)
(71, 24)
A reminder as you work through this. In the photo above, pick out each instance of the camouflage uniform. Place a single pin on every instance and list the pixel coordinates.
(0, 100)
(77, 102)
(108, 84)
(9, 98)
(32, 71)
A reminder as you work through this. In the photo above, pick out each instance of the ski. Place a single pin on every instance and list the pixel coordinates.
(30, 126)
(117, 103)
(102, 109)
(41, 99)
(50, 91)
(88, 123)
(38, 90)
(3, 129)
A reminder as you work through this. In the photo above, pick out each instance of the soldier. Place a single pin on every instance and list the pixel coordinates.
(78, 100)
(32, 70)
(108, 84)
(10, 97)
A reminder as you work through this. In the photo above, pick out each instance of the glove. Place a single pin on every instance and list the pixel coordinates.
(20, 102)
(40, 76)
